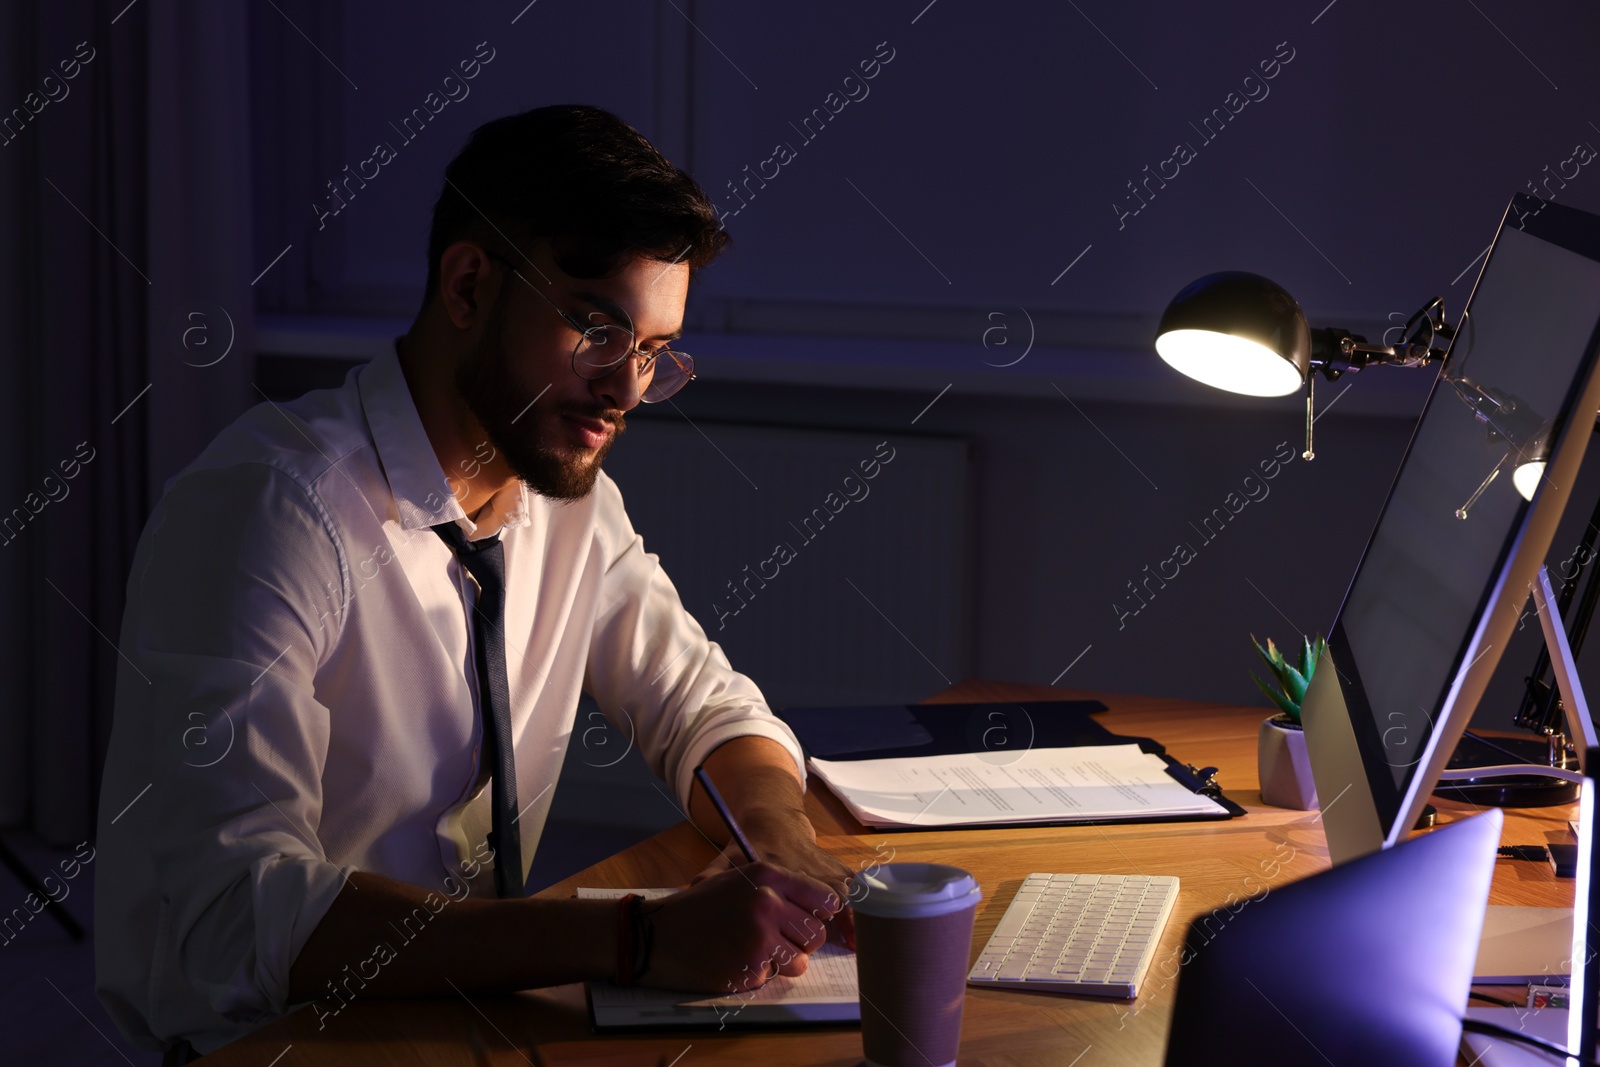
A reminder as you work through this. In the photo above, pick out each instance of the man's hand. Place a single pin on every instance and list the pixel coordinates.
(733, 931)
(788, 841)
(761, 785)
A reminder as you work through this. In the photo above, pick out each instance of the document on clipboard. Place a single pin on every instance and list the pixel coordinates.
(1096, 783)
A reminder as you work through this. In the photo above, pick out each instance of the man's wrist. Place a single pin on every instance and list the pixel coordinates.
(590, 928)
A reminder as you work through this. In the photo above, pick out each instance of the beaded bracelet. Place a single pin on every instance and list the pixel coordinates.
(644, 934)
(627, 922)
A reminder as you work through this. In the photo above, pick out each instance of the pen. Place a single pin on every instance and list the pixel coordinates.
(727, 816)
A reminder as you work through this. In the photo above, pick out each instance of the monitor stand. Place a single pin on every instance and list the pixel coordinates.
(1521, 944)
(1580, 725)
(1499, 790)
(1477, 774)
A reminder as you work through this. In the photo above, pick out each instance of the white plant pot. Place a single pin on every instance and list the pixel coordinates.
(1285, 768)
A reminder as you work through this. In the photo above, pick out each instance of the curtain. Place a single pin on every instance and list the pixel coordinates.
(126, 332)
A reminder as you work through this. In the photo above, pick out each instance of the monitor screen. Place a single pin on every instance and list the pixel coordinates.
(1421, 626)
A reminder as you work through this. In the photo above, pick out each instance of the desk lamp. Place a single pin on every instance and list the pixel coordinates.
(1246, 334)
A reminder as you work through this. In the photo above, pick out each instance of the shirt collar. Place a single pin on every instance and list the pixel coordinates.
(422, 493)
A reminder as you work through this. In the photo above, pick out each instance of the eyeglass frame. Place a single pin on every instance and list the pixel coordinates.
(647, 359)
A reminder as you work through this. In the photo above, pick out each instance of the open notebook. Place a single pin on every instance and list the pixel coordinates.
(826, 993)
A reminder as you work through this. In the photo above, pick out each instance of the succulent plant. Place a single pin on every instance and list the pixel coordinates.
(1292, 681)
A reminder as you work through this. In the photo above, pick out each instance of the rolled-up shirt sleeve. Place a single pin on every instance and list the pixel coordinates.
(655, 674)
(233, 605)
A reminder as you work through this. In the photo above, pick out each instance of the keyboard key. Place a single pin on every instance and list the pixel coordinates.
(1013, 970)
(1011, 923)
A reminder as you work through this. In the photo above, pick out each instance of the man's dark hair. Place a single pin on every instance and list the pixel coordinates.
(581, 179)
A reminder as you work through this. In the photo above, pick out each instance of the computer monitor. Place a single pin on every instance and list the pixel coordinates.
(1448, 568)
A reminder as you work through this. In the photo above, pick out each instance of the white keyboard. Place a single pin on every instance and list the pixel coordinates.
(1078, 933)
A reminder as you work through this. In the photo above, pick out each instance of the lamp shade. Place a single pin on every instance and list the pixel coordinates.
(1237, 331)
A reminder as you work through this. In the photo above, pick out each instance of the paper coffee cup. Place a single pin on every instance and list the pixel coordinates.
(913, 939)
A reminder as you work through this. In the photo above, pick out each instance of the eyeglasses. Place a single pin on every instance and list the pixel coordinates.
(605, 346)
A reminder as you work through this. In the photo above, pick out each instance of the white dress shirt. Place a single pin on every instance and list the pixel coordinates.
(297, 698)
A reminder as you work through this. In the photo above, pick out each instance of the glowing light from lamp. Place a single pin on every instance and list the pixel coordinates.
(1226, 361)
(1527, 477)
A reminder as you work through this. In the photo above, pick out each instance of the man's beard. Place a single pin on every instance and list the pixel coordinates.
(513, 424)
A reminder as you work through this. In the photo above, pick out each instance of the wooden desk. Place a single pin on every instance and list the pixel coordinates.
(1221, 865)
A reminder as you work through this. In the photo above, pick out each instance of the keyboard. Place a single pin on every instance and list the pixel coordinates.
(1094, 934)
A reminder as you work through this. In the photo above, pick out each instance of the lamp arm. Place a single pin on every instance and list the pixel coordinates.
(1336, 351)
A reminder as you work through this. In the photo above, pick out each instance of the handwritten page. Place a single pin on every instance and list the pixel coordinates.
(1036, 785)
(827, 992)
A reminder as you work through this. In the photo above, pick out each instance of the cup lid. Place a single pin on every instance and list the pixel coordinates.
(914, 890)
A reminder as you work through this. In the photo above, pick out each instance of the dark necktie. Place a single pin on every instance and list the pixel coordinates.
(485, 561)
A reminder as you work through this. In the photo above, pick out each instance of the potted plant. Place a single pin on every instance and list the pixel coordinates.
(1281, 758)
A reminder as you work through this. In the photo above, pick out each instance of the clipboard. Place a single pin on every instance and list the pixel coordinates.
(888, 731)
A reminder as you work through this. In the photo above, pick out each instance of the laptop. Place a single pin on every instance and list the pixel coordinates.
(1369, 963)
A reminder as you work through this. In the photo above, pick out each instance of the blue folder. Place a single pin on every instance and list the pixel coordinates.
(889, 731)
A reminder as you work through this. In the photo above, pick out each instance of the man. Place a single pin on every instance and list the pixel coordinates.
(358, 624)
